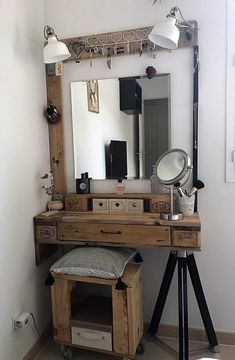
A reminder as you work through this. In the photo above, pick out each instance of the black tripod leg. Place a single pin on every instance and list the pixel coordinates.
(183, 309)
(201, 300)
(163, 292)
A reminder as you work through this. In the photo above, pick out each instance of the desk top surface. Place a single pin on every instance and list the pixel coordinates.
(140, 219)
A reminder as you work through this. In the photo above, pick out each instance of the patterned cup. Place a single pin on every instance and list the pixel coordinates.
(186, 205)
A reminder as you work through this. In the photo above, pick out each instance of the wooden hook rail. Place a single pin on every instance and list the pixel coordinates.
(128, 42)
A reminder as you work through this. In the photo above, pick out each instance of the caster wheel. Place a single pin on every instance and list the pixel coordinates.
(67, 352)
(140, 349)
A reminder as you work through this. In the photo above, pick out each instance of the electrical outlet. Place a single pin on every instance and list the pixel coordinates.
(21, 320)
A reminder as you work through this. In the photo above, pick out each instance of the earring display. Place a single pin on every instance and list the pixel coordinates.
(128, 42)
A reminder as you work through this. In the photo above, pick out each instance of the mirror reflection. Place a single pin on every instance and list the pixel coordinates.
(120, 126)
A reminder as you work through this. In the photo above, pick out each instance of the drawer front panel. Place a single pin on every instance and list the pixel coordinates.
(115, 233)
(117, 205)
(134, 206)
(100, 205)
(92, 338)
(186, 238)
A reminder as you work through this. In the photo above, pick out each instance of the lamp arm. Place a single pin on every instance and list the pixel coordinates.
(184, 23)
(48, 32)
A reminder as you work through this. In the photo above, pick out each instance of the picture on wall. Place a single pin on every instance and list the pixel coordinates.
(93, 96)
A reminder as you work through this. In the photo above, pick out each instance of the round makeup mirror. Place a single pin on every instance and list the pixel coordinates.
(171, 168)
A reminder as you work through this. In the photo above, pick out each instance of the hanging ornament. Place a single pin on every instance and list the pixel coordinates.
(151, 72)
(52, 114)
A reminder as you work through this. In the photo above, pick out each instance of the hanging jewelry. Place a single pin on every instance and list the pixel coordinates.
(91, 58)
(109, 61)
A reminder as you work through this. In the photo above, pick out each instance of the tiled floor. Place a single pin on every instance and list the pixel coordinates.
(153, 351)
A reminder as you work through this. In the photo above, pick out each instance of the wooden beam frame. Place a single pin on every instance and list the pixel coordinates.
(54, 90)
(56, 135)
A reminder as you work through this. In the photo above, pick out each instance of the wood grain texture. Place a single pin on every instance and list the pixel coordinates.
(132, 230)
(56, 135)
(120, 321)
(135, 311)
(127, 313)
(186, 238)
(85, 279)
(124, 234)
(61, 309)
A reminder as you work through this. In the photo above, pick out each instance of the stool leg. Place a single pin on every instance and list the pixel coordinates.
(163, 292)
(201, 300)
(183, 309)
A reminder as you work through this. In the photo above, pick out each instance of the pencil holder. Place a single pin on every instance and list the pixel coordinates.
(186, 205)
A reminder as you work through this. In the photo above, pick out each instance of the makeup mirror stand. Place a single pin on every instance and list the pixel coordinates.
(172, 167)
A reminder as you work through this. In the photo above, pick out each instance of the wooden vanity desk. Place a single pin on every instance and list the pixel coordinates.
(115, 229)
(182, 238)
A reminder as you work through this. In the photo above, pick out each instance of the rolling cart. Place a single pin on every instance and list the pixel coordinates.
(91, 313)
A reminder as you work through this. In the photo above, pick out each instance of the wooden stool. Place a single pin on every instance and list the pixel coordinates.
(121, 337)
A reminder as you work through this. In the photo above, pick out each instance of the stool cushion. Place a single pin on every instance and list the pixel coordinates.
(94, 261)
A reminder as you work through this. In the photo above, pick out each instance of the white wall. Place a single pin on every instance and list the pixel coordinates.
(216, 261)
(24, 157)
(230, 82)
(92, 131)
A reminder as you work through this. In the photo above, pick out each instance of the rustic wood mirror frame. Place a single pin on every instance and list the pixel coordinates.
(54, 97)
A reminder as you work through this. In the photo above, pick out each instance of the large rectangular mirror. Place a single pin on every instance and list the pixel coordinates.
(120, 126)
(176, 67)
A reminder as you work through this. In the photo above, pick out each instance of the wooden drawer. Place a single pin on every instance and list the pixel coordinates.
(91, 338)
(117, 205)
(135, 206)
(138, 235)
(186, 238)
(100, 205)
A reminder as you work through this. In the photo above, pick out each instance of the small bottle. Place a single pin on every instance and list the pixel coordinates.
(120, 187)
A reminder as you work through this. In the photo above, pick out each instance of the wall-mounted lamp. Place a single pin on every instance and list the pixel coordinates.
(55, 50)
(166, 34)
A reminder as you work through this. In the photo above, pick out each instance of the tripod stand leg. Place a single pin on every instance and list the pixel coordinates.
(201, 300)
(183, 308)
(163, 292)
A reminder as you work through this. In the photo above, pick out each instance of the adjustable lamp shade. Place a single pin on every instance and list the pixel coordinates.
(55, 50)
(166, 34)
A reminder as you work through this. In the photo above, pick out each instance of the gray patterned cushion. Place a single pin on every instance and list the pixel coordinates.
(94, 261)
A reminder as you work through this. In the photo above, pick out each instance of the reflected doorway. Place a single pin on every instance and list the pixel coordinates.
(156, 128)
